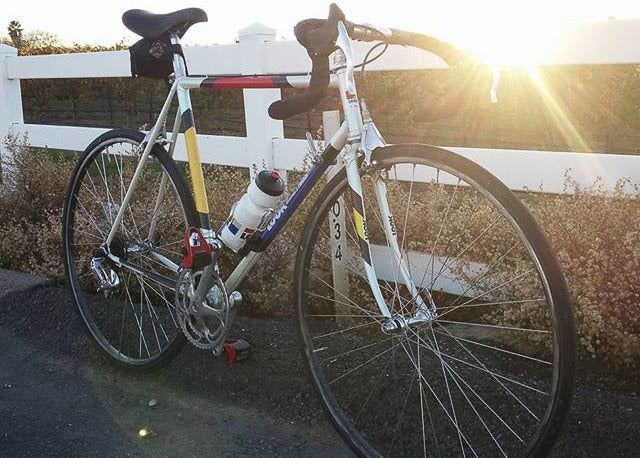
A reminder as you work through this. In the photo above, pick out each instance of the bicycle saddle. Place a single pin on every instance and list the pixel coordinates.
(150, 25)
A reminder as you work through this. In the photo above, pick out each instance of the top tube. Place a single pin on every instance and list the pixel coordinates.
(250, 81)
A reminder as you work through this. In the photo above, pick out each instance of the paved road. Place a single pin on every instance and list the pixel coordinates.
(57, 398)
(57, 401)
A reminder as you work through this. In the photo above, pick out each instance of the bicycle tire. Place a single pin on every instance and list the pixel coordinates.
(182, 193)
(564, 339)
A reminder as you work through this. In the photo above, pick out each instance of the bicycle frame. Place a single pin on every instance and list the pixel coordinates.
(355, 138)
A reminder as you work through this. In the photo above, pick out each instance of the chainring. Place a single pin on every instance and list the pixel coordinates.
(204, 325)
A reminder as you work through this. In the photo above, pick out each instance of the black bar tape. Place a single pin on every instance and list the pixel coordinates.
(319, 39)
(283, 109)
(449, 53)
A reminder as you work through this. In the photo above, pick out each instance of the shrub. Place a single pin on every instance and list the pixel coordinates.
(596, 236)
(31, 212)
(598, 242)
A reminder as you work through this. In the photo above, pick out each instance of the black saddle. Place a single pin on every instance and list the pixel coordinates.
(149, 25)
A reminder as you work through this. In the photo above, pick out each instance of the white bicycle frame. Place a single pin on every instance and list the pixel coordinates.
(355, 138)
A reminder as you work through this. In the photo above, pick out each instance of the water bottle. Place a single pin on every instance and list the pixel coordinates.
(252, 210)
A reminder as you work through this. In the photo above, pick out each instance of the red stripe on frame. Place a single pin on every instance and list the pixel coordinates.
(242, 82)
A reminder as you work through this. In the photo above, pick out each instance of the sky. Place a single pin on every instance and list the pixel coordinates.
(485, 26)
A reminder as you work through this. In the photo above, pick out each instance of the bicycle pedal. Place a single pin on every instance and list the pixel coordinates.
(237, 350)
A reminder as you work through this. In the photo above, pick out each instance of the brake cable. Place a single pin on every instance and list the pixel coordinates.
(366, 61)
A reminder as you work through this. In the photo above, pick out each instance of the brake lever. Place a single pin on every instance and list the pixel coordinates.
(494, 86)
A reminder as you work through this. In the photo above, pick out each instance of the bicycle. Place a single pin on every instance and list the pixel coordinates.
(431, 309)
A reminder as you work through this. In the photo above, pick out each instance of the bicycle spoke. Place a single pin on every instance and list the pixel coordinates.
(353, 304)
(139, 323)
(456, 374)
(401, 416)
(503, 377)
(489, 269)
(496, 379)
(435, 243)
(494, 326)
(333, 358)
(511, 280)
(358, 326)
(500, 349)
(486, 304)
(320, 296)
(364, 364)
(435, 396)
(464, 250)
(375, 386)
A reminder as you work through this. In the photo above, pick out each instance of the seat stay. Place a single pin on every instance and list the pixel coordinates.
(148, 146)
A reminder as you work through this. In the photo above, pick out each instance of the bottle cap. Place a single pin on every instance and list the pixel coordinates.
(269, 182)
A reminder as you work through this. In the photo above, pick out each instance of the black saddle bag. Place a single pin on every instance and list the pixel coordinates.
(153, 58)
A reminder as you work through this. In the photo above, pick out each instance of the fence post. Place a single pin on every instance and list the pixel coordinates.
(337, 223)
(10, 106)
(261, 129)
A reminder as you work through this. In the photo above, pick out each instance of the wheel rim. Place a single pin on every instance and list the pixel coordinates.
(487, 382)
(137, 323)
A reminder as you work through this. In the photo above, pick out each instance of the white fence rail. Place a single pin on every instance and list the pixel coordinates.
(257, 52)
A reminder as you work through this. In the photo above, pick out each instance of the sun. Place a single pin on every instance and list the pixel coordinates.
(504, 41)
(518, 32)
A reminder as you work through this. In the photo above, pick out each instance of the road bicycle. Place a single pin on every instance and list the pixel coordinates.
(433, 316)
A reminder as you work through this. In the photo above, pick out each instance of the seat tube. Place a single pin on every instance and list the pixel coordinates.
(193, 154)
(191, 142)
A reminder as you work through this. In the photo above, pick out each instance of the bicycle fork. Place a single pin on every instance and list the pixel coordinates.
(425, 310)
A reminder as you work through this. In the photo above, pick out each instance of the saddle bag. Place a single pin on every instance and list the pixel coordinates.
(153, 57)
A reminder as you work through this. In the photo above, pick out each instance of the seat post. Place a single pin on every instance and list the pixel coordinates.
(179, 68)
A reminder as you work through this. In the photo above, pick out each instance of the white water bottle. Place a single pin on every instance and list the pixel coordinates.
(252, 209)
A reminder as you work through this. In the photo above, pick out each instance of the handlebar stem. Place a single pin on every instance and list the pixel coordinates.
(342, 58)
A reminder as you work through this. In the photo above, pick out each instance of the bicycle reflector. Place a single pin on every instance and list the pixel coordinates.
(196, 250)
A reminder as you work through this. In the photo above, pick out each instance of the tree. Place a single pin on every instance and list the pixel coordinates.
(41, 39)
(15, 33)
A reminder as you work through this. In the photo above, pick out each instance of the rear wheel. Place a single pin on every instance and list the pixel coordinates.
(131, 316)
(492, 373)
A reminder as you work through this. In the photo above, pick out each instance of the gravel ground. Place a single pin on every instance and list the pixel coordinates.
(60, 392)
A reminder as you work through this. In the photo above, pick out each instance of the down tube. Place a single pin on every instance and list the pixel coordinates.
(295, 199)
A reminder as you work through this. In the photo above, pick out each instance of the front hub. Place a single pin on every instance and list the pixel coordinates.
(398, 324)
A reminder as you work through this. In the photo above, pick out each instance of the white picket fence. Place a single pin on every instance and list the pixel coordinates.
(258, 52)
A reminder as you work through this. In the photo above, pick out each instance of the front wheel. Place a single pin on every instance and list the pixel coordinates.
(491, 373)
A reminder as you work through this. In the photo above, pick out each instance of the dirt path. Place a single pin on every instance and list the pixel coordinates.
(64, 401)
